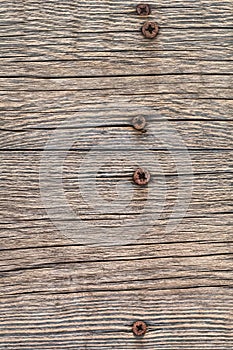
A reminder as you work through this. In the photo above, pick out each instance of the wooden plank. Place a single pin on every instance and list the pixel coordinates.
(21, 198)
(195, 134)
(160, 270)
(87, 62)
(30, 234)
(119, 65)
(114, 15)
(103, 320)
(121, 15)
(175, 109)
(184, 84)
(42, 39)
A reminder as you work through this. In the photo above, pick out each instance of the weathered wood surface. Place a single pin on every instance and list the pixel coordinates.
(88, 61)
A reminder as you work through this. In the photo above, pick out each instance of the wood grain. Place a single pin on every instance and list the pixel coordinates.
(87, 62)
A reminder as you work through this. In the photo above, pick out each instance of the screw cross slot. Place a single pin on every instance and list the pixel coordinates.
(143, 10)
(141, 177)
(139, 328)
(150, 30)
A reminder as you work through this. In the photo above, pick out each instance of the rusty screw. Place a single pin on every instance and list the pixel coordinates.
(150, 30)
(139, 328)
(143, 10)
(141, 177)
(139, 123)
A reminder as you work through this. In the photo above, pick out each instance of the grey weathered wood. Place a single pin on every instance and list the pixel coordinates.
(197, 134)
(88, 61)
(21, 198)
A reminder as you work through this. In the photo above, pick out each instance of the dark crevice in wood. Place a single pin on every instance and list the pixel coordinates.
(141, 244)
(114, 75)
(64, 263)
(107, 291)
(206, 215)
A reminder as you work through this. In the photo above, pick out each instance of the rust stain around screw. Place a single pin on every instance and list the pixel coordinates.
(139, 123)
(139, 328)
(141, 177)
(143, 10)
(150, 30)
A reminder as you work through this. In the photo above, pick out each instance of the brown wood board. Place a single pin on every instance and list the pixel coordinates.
(83, 70)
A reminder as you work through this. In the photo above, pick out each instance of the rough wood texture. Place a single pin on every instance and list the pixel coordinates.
(88, 61)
